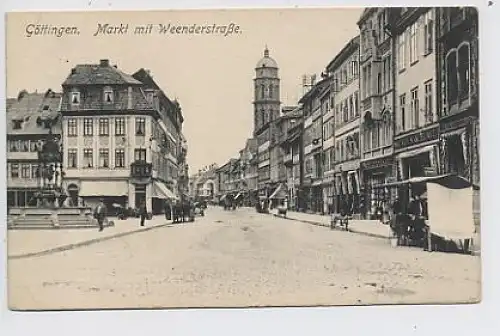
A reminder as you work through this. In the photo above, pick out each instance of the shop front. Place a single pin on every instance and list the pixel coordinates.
(328, 194)
(376, 172)
(417, 155)
(347, 186)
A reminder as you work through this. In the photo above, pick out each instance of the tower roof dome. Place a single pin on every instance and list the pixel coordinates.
(266, 61)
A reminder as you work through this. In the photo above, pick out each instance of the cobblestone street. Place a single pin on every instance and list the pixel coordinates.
(239, 258)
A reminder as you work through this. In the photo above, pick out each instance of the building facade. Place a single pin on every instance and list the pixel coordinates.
(31, 119)
(345, 73)
(121, 138)
(266, 111)
(249, 162)
(416, 134)
(458, 89)
(313, 146)
(377, 100)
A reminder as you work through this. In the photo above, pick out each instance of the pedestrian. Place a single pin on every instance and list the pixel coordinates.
(143, 212)
(100, 214)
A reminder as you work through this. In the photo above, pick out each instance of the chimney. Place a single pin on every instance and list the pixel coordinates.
(104, 63)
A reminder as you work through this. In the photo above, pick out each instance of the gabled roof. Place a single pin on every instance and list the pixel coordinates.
(98, 74)
(31, 110)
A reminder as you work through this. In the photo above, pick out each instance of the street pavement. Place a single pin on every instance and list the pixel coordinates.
(235, 259)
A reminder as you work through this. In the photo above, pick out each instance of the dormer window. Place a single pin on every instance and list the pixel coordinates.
(108, 95)
(149, 97)
(75, 98)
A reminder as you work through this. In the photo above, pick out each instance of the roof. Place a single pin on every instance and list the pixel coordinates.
(99, 74)
(266, 61)
(348, 49)
(31, 109)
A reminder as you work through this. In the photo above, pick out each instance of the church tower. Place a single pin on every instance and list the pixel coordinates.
(267, 93)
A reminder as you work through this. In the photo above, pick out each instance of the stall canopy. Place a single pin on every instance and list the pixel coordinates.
(279, 193)
(162, 192)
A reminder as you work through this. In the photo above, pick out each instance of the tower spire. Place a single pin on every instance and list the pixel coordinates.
(266, 52)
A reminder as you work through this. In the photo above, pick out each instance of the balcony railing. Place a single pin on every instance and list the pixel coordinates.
(141, 169)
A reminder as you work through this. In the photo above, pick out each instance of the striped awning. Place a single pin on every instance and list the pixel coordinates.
(161, 191)
(103, 188)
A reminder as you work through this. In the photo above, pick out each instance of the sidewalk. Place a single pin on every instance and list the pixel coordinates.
(31, 243)
(371, 228)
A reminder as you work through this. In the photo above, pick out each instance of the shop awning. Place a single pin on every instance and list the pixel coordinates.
(415, 152)
(279, 193)
(161, 191)
(451, 181)
(103, 188)
(238, 195)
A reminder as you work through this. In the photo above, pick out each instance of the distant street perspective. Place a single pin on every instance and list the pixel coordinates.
(229, 258)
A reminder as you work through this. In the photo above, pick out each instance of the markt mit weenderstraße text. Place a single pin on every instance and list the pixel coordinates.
(170, 29)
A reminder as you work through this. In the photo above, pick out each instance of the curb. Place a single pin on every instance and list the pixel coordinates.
(84, 243)
(368, 234)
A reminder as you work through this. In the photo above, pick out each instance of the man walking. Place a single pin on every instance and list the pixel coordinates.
(100, 214)
(143, 212)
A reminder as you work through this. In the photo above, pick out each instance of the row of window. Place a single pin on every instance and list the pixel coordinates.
(347, 148)
(103, 125)
(103, 158)
(410, 46)
(411, 116)
(458, 74)
(108, 96)
(348, 72)
(383, 72)
(347, 109)
(23, 145)
(380, 135)
(25, 170)
(329, 159)
(269, 91)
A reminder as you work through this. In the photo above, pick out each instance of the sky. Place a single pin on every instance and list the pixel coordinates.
(210, 75)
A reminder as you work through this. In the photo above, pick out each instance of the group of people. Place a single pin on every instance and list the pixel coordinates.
(179, 212)
(408, 223)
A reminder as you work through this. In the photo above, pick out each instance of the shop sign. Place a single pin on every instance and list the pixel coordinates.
(417, 138)
(377, 163)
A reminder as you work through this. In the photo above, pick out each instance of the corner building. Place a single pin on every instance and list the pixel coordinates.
(121, 138)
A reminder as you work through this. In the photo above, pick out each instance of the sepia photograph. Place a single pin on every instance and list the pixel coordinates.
(242, 158)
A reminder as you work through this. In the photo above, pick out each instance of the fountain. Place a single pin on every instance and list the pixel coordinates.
(50, 211)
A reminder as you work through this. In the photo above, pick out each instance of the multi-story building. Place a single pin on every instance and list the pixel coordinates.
(313, 146)
(30, 119)
(121, 137)
(416, 134)
(169, 146)
(204, 183)
(223, 176)
(266, 110)
(459, 91)
(377, 99)
(327, 108)
(248, 159)
(345, 73)
(458, 88)
(292, 155)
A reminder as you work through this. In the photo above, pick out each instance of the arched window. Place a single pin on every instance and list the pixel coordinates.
(271, 91)
(464, 70)
(262, 91)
